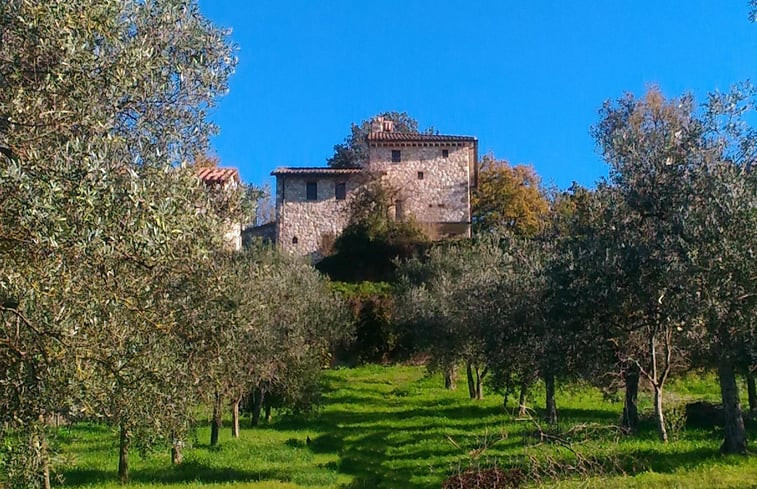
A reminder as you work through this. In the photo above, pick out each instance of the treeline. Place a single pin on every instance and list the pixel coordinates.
(648, 275)
(119, 301)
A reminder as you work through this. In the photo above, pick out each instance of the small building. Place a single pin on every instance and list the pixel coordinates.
(223, 179)
(311, 206)
(432, 175)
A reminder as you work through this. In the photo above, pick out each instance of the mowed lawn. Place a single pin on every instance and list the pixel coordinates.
(396, 427)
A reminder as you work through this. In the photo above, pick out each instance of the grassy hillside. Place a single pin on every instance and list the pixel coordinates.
(395, 427)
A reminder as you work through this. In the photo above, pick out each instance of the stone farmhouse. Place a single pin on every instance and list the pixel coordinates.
(431, 175)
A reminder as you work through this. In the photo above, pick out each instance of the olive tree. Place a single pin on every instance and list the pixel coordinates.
(440, 294)
(719, 230)
(651, 145)
(684, 234)
(99, 103)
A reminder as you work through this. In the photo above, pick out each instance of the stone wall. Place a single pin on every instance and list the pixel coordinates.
(442, 195)
(431, 182)
(264, 232)
(233, 236)
(307, 227)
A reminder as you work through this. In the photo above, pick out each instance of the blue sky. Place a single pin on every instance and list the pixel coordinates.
(526, 78)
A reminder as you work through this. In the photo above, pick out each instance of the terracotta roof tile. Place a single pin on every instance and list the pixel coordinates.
(314, 170)
(217, 175)
(400, 136)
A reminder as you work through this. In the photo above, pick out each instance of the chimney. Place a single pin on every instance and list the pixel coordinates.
(380, 124)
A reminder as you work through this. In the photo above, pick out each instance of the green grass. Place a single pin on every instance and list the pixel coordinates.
(396, 427)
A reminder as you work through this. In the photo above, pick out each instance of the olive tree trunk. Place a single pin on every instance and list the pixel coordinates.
(751, 389)
(217, 420)
(177, 451)
(480, 374)
(258, 396)
(267, 413)
(450, 377)
(630, 406)
(475, 376)
(123, 454)
(471, 381)
(733, 422)
(550, 404)
(41, 444)
(522, 408)
(658, 372)
(235, 417)
(659, 414)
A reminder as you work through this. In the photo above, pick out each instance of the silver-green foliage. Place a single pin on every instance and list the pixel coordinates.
(100, 103)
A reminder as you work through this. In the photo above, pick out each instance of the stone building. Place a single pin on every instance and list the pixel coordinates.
(223, 179)
(431, 176)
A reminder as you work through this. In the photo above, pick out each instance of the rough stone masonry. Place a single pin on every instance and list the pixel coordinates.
(432, 175)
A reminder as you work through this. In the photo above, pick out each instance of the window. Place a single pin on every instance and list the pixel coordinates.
(398, 210)
(312, 191)
(396, 156)
(420, 175)
(340, 191)
(445, 153)
(295, 240)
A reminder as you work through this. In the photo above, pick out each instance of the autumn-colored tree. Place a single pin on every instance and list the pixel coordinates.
(206, 160)
(508, 196)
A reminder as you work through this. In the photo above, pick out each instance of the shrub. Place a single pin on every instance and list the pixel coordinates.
(486, 478)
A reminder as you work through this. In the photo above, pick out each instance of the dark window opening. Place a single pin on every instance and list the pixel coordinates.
(445, 153)
(312, 191)
(420, 175)
(295, 240)
(340, 191)
(396, 156)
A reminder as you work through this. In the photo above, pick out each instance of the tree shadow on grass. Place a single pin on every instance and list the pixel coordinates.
(665, 461)
(336, 419)
(369, 453)
(184, 473)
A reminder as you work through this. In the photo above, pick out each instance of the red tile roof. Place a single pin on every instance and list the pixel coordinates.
(400, 136)
(314, 170)
(217, 175)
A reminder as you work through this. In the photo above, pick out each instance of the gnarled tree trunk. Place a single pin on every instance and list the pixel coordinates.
(480, 374)
(475, 377)
(733, 427)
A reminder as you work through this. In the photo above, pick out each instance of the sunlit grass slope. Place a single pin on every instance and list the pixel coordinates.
(396, 427)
